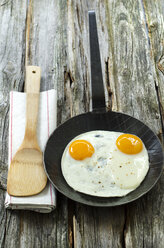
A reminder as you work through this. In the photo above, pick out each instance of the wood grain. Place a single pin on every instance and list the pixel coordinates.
(25, 228)
(54, 35)
(146, 230)
(98, 227)
(12, 40)
(12, 49)
(44, 34)
(155, 25)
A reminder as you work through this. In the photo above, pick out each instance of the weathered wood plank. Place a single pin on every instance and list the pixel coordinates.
(12, 36)
(43, 31)
(155, 22)
(131, 74)
(12, 48)
(146, 230)
(145, 220)
(46, 47)
(24, 228)
(77, 57)
(10, 227)
(98, 227)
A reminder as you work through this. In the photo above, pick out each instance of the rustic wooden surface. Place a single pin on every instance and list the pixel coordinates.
(54, 35)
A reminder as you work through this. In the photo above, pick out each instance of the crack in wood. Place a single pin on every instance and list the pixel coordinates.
(71, 226)
(68, 76)
(124, 228)
(78, 17)
(23, 61)
(161, 111)
(146, 22)
(160, 64)
(68, 85)
(86, 95)
(7, 222)
(110, 31)
(5, 3)
(110, 93)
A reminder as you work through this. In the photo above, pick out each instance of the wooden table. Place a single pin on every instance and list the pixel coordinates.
(54, 35)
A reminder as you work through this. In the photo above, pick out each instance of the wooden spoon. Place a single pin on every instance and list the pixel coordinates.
(26, 175)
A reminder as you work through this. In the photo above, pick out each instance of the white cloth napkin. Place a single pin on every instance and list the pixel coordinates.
(46, 200)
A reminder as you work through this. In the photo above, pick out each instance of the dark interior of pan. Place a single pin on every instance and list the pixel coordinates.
(100, 119)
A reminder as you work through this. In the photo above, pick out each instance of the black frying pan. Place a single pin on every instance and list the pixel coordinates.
(99, 119)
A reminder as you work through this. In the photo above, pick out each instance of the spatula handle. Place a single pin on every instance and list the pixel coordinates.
(32, 87)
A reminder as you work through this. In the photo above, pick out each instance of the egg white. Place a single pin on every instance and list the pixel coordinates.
(109, 172)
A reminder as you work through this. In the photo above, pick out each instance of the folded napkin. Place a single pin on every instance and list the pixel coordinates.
(46, 200)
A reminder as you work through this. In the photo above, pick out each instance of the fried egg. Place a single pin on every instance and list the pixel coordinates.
(105, 163)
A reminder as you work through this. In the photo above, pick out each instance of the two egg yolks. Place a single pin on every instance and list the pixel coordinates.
(126, 143)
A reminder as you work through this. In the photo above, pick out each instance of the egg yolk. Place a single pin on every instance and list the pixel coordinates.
(81, 149)
(129, 144)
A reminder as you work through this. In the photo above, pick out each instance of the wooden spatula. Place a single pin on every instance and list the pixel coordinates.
(26, 175)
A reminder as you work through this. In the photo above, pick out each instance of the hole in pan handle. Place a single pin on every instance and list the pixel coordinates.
(98, 97)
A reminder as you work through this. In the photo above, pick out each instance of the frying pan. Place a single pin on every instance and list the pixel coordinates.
(100, 119)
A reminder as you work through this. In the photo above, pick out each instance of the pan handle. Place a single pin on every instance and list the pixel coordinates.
(98, 97)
